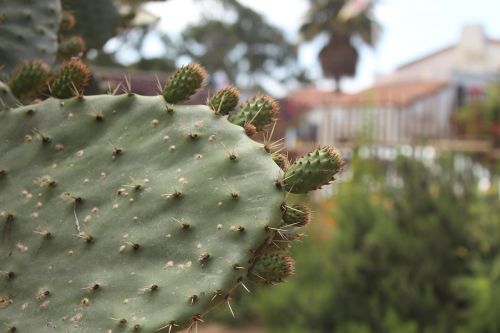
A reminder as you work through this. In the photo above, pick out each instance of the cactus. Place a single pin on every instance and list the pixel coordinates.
(70, 79)
(257, 112)
(28, 31)
(129, 213)
(314, 170)
(7, 98)
(70, 47)
(28, 79)
(96, 20)
(225, 100)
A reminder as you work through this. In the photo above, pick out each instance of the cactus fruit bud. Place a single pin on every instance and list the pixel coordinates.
(298, 215)
(183, 83)
(71, 47)
(225, 100)
(29, 78)
(258, 111)
(272, 268)
(250, 129)
(313, 170)
(67, 21)
(281, 160)
(70, 79)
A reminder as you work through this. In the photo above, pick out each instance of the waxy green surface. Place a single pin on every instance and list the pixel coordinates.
(162, 206)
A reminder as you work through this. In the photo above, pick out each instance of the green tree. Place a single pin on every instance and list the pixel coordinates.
(407, 254)
(480, 117)
(247, 48)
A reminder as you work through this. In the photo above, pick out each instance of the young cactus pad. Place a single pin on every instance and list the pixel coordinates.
(126, 213)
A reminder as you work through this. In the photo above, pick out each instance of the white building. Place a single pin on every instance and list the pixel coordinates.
(414, 103)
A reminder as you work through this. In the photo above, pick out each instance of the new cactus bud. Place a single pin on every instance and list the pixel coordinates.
(281, 160)
(7, 98)
(258, 111)
(272, 268)
(67, 21)
(297, 215)
(183, 83)
(313, 170)
(28, 79)
(225, 100)
(283, 239)
(71, 47)
(250, 129)
(70, 79)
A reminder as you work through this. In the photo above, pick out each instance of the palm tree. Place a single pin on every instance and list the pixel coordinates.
(339, 56)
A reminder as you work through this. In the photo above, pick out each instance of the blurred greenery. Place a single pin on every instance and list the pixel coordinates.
(230, 38)
(414, 248)
(480, 117)
(241, 43)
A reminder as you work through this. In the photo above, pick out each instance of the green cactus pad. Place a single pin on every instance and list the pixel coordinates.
(7, 98)
(225, 100)
(258, 111)
(28, 31)
(29, 78)
(120, 214)
(313, 170)
(183, 83)
(272, 268)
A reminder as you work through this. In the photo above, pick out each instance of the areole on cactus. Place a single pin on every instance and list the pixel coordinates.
(131, 213)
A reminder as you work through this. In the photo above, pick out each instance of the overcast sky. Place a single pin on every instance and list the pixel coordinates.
(410, 28)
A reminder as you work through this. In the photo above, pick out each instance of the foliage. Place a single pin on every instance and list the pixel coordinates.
(480, 117)
(414, 249)
(245, 48)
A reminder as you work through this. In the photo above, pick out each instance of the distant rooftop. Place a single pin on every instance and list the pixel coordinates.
(473, 39)
(391, 94)
(473, 54)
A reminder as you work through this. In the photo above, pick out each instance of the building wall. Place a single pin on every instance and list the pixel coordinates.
(473, 54)
(427, 117)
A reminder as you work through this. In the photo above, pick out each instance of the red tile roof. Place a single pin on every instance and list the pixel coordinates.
(393, 94)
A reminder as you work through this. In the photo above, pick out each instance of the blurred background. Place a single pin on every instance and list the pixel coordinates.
(408, 239)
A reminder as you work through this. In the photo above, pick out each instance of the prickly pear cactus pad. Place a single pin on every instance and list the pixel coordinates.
(28, 31)
(121, 213)
(129, 213)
